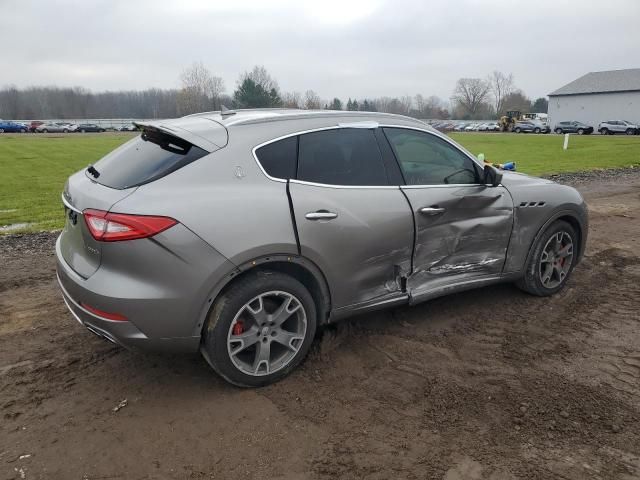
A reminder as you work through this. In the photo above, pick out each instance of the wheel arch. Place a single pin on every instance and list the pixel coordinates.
(300, 268)
(569, 216)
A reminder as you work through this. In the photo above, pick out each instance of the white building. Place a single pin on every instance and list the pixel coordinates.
(597, 97)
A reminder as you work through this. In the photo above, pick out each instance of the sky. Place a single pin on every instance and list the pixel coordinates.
(338, 48)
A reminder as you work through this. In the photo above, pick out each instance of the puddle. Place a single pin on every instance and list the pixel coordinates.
(14, 226)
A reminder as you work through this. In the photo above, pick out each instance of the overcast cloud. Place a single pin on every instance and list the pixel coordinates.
(336, 47)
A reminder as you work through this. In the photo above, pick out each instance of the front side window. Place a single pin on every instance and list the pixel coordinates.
(347, 156)
(426, 159)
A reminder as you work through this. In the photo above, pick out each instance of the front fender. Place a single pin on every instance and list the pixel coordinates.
(537, 208)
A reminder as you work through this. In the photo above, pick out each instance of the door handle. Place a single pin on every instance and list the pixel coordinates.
(321, 215)
(432, 210)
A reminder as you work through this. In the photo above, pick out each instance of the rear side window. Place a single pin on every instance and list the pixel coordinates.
(144, 159)
(347, 156)
(279, 158)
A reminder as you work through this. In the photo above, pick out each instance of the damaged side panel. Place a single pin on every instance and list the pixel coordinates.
(461, 232)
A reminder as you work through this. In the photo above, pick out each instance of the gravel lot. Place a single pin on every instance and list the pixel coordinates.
(490, 384)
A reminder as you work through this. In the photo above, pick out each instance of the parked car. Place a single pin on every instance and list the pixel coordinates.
(493, 127)
(55, 127)
(531, 126)
(239, 234)
(573, 127)
(471, 127)
(612, 127)
(128, 128)
(7, 126)
(88, 127)
(33, 125)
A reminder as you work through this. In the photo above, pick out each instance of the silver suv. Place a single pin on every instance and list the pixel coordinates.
(239, 234)
(611, 127)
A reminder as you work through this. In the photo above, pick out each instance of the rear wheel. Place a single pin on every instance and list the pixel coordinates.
(1, 130)
(604, 131)
(580, 131)
(65, 130)
(82, 130)
(536, 130)
(551, 261)
(629, 131)
(22, 130)
(558, 131)
(260, 329)
(517, 130)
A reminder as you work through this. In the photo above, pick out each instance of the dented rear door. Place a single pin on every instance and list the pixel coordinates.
(462, 231)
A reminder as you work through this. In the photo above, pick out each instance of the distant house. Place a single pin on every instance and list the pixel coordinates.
(597, 97)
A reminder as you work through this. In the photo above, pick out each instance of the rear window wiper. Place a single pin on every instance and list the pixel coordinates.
(93, 172)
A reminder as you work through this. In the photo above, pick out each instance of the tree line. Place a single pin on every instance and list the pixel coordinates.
(201, 91)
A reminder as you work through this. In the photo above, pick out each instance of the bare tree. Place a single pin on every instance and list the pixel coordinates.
(471, 94)
(311, 100)
(261, 77)
(406, 102)
(501, 87)
(200, 91)
(291, 100)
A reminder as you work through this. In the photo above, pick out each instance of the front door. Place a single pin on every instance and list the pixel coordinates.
(462, 226)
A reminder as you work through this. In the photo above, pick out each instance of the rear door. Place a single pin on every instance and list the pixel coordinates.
(462, 226)
(352, 219)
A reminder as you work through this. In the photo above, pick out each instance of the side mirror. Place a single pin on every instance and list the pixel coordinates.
(492, 176)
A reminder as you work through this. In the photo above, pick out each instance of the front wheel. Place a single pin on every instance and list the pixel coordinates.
(629, 131)
(604, 131)
(517, 130)
(558, 131)
(551, 261)
(260, 329)
(536, 130)
(580, 131)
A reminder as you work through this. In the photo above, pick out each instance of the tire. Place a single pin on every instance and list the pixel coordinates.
(559, 131)
(517, 130)
(83, 130)
(532, 281)
(604, 131)
(22, 130)
(45, 131)
(259, 292)
(1, 130)
(64, 130)
(536, 130)
(629, 131)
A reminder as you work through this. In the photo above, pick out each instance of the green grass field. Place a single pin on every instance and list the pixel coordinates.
(33, 168)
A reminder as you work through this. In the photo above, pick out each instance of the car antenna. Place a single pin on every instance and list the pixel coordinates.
(225, 112)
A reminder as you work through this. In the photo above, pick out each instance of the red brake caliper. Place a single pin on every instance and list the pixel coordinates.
(238, 328)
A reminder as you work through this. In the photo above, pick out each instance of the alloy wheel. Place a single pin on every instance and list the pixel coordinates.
(267, 333)
(556, 260)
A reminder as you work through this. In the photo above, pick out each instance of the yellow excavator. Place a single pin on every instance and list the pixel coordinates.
(508, 120)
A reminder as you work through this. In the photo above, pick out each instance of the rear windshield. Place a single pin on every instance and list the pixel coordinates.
(144, 159)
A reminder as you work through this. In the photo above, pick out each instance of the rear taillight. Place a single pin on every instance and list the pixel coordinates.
(114, 227)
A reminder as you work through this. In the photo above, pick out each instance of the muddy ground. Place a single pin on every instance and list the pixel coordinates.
(490, 384)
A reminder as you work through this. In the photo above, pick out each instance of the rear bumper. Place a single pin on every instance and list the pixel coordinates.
(164, 297)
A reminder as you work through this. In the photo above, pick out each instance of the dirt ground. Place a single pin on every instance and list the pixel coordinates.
(488, 384)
